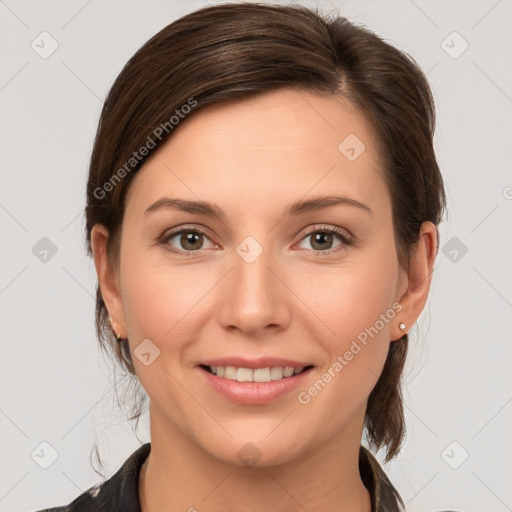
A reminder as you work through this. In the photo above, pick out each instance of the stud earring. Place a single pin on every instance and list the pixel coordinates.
(114, 329)
(401, 326)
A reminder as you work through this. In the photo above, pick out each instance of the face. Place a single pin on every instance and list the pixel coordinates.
(261, 286)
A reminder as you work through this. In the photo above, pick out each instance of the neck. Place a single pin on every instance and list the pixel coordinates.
(179, 476)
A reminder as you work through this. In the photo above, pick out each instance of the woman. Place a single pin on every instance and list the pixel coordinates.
(262, 209)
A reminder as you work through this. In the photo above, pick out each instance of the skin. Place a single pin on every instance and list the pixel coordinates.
(253, 158)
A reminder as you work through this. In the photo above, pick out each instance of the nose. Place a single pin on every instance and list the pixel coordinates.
(253, 297)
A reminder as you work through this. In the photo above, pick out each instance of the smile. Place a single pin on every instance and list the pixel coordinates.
(267, 374)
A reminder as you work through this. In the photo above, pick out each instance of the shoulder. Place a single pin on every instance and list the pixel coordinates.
(384, 496)
(120, 492)
(85, 502)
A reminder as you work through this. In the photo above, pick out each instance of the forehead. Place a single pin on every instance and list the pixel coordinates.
(272, 148)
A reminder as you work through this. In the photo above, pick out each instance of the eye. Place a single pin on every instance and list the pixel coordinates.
(189, 240)
(322, 239)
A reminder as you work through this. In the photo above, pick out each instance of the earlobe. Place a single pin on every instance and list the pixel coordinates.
(397, 334)
(108, 278)
(419, 278)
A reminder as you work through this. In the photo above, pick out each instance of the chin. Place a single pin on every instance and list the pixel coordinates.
(251, 451)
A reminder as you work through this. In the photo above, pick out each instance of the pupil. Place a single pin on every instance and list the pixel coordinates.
(322, 237)
(188, 240)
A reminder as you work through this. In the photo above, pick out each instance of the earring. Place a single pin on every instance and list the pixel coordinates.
(401, 326)
(114, 329)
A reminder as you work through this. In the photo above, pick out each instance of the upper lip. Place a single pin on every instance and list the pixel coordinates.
(262, 362)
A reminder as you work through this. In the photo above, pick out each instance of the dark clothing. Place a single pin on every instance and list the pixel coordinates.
(120, 493)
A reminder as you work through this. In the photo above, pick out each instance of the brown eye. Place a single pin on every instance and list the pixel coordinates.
(190, 240)
(186, 240)
(322, 240)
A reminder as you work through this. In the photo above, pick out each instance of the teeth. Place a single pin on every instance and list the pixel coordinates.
(230, 372)
(244, 375)
(261, 375)
(288, 371)
(257, 375)
(276, 373)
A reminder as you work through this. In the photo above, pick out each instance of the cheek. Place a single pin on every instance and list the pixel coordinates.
(355, 301)
(357, 307)
(352, 298)
(157, 297)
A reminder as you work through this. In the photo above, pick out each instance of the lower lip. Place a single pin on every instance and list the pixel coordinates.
(253, 393)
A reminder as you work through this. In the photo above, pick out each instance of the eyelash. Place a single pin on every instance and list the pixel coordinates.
(346, 240)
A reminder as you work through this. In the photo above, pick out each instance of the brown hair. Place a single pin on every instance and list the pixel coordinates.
(228, 52)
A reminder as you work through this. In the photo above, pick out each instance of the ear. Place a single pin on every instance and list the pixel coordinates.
(417, 279)
(108, 279)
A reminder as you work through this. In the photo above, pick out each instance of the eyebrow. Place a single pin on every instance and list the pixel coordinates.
(212, 210)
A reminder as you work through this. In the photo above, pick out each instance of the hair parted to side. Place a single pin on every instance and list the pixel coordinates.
(234, 51)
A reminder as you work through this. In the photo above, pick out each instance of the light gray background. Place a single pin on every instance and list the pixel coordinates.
(56, 386)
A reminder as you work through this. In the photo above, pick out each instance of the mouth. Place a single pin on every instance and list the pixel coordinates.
(266, 374)
(253, 381)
